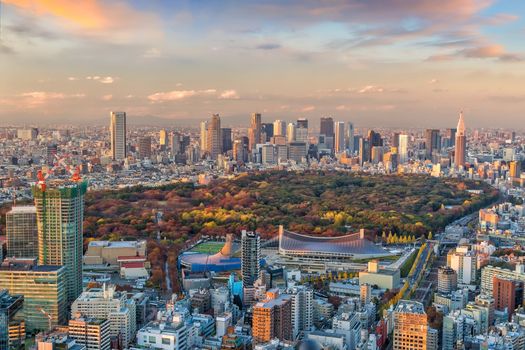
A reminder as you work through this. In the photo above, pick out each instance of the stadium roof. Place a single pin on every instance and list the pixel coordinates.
(352, 245)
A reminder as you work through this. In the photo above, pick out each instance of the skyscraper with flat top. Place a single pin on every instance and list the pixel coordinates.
(350, 143)
(279, 128)
(118, 135)
(432, 142)
(254, 134)
(214, 137)
(461, 143)
(22, 233)
(163, 139)
(403, 148)
(145, 147)
(339, 137)
(60, 216)
(204, 136)
(250, 257)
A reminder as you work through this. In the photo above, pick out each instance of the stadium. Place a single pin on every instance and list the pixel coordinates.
(352, 246)
(219, 262)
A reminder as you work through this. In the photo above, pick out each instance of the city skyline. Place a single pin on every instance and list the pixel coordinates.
(375, 65)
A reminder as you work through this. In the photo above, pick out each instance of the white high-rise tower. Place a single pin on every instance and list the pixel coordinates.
(118, 135)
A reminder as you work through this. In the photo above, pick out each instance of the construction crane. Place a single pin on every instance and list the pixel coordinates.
(60, 161)
(49, 318)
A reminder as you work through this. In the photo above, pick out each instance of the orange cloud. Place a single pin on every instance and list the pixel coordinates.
(90, 16)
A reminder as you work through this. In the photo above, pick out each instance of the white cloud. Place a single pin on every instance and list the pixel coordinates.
(364, 108)
(371, 89)
(107, 97)
(308, 109)
(72, 78)
(177, 95)
(36, 98)
(229, 95)
(433, 81)
(103, 80)
(107, 80)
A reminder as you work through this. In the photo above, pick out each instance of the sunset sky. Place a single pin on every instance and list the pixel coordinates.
(376, 62)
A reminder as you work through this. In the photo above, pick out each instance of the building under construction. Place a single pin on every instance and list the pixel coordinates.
(60, 215)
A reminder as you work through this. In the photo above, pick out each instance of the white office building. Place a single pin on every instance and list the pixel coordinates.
(106, 303)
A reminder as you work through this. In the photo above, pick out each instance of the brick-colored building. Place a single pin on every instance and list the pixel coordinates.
(507, 294)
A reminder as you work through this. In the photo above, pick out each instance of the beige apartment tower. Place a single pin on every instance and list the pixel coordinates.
(117, 130)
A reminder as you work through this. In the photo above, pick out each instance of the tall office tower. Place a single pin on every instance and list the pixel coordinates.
(51, 153)
(279, 128)
(267, 130)
(250, 257)
(44, 291)
(364, 151)
(204, 136)
(395, 139)
(376, 155)
(226, 134)
(163, 139)
(507, 294)
(374, 139)
(365, 293)
(464, 262)
(106, 303)
(290, 132)
(301, 131)
(10, 305)
(302, 123)
(268, 154)
(514, 169)
(60, 216)
(118, 135)
(432, 142)
(240, 153)
(447, 280)
(145, 147)
(350, 138)
(22, 232)
(214, 139)
(461, 143)
(339, 142)
(175, 143)
(254, 133)
(327, 126)
(451, 135)
(91, 332)
(302, 309)
(297, 151)
(403, 148)
(272, 318)
(410, 326)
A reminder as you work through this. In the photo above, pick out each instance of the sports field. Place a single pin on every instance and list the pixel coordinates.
(208, 247)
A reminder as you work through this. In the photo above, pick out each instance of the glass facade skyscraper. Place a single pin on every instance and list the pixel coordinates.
(43, 288)
(22, 233)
